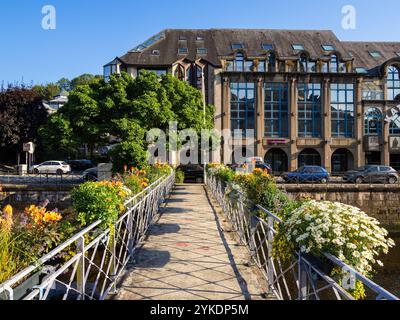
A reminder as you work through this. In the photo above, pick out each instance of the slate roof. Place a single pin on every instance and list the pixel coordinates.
(218, 43)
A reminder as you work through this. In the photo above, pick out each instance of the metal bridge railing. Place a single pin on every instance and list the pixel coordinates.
(87, 266)
(303, 277)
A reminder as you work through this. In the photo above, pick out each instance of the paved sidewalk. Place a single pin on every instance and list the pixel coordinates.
(188, 257)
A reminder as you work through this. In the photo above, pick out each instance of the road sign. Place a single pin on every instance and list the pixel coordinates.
(29, 147)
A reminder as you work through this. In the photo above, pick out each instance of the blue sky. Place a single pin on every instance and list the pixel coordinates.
(90, 33)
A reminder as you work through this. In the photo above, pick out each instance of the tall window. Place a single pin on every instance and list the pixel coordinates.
(179, 73)
(276, 109)
(242, 107)
(334, 64)
(303, 63)
(373, 121)
(271, 62)
(342, 110)
(395, 123)
(309, 110)
(393, 83)
(194, 75)
(239, 62)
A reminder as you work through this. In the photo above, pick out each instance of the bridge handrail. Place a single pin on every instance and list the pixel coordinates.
(128, 232)
(252, 227)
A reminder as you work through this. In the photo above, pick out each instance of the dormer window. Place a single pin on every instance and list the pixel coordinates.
(237, 46)
(199, 38)
(202, 51)
(182, 38)
(360, 70)
(267, 46)
(183, 51)
(155, 52)
(375, 54)
(328, 47)
(298, 47)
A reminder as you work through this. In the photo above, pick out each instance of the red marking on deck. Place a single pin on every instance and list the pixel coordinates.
(183, 244)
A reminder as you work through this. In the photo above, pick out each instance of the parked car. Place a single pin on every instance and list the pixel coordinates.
(80, 165)
(193, 173)
(90, 174)
(372, 174)
(307, 174)
(52, 167)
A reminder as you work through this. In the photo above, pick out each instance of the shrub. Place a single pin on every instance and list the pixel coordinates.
(261, 188)
(221, 172)
(179, 176)
(95, 201)
(342, 230)
(136, 183)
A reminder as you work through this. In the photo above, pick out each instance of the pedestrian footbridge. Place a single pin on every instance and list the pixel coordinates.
(191, 255)
(182, 242)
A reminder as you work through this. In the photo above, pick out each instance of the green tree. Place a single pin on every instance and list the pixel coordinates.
(121, 110)
(64, 84)
(48, 91)
(57, 136)
(21, 114)
(83, 80)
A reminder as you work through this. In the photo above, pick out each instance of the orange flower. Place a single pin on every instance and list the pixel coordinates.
(52, 217)
(41, 215)
(7, 223)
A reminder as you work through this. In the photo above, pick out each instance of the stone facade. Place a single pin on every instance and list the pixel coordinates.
(381, 202)
(352, 123)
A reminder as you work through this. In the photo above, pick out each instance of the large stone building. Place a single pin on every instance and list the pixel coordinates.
(311, 98)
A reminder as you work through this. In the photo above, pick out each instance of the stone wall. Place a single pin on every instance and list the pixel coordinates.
(20, 195)
(379, 201)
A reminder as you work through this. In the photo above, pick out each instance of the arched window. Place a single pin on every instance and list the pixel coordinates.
(278, 160)
(271, 58)
(303, 63)
(373, 121)
(309, 157)
(334, 64)
(393, 83)
(239, 62)
(180, 73)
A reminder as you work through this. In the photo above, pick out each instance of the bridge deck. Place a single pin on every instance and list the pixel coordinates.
(189, 257)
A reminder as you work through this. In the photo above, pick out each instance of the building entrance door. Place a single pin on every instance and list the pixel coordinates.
(373, 158)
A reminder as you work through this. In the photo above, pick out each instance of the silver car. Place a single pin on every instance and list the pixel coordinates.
(52, 167)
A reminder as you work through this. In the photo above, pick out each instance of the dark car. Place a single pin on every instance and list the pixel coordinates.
(193, 173)
(80, 165)
(372, 174)
(307, 174)
(90, 174)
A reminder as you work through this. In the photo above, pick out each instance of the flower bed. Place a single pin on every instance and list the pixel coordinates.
(25, 239)
(313, 228)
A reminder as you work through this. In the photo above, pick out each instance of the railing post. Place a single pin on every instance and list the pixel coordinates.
(113, 271)
(80, 273)
(130, 232)
(270, 264)
(302, 279)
